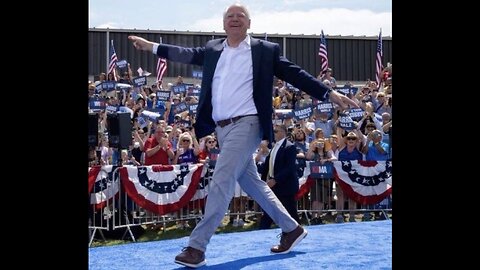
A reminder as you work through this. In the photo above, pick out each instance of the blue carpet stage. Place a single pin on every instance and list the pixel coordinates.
(361, 245)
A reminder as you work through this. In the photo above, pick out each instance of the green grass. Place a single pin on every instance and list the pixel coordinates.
(171, 232)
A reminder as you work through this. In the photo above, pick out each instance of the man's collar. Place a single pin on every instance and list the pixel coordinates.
(245, 43)
(281, 141)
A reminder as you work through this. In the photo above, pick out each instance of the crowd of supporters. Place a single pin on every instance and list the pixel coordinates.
(162, 131)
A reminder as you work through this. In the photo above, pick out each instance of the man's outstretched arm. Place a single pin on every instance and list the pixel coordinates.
(170, 52)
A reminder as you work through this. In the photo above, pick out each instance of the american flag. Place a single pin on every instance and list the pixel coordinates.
(161, 68)
(113, 61)
(378, 63)
(322, 52)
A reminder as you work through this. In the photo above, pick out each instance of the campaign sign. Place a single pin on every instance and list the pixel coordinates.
(212, 157)
(111, 109)
(139, 81)
(325, 107)
(284, 113)
(356, 114)
(141, 122)
(180, 107)
(353, 90)
(303, 113)
(197, 74)
(318, 170)
(152, 116)
(159, 107)
(97, 103)
(192, 109)
(193, 91)
(345, 90)
(98, 88)
(177, 89)
(346, 122)
(163, 95)
(122, 64)
(108, 85)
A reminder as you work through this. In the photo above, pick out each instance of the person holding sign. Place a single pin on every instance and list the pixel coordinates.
(236, 102)
(318, 152)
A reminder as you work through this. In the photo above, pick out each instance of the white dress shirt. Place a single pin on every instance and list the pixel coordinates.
(273, 155)
(232, 85)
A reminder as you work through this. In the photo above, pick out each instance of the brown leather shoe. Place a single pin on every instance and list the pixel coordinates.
(191, 257)
(289, 240)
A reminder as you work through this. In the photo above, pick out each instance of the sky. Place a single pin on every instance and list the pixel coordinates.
(308, 17)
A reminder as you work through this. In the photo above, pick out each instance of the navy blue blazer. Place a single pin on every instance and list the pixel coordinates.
(266, 61)
(285, 170)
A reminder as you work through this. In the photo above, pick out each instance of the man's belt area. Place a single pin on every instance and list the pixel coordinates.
(226, 122)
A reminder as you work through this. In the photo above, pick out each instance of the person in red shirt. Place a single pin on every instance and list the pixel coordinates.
(158, 149)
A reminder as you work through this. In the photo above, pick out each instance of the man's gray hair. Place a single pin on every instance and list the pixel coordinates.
(237, 4)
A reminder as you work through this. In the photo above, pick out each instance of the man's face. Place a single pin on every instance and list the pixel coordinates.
(236, 21)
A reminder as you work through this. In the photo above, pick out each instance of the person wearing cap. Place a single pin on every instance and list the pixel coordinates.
(349, 149)
(236, 102)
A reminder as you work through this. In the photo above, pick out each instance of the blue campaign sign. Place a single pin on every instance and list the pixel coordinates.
(347, 90)
(284, 113)
(325, 107)
(192, 109)
(108, 85)
(194, 91)
(111, 109)
(180, 107)
(122, 64)
(139, 81)
(303, 113)
(318, 170)
(343, 90)
(197, 74)
(353, 90)
(97, 104)
(98, 88)
(346, 122)
(141, 122)
(163, 95)
(356, 114)
(177, 89)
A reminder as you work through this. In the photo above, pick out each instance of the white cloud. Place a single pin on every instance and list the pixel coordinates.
(336, 21)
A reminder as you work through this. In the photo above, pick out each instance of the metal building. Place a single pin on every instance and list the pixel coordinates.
(351, 58)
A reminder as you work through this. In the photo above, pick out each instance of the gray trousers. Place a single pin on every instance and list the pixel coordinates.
(238, 142)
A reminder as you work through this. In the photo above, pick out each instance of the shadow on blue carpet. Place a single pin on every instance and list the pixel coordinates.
(362, 245)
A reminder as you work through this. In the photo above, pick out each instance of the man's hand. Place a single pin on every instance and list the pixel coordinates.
(141, 43)
(271, 182)
(342, 100)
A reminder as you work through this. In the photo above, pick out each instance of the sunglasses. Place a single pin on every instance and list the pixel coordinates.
(185, 140)
(210, 141)
(351, 138)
